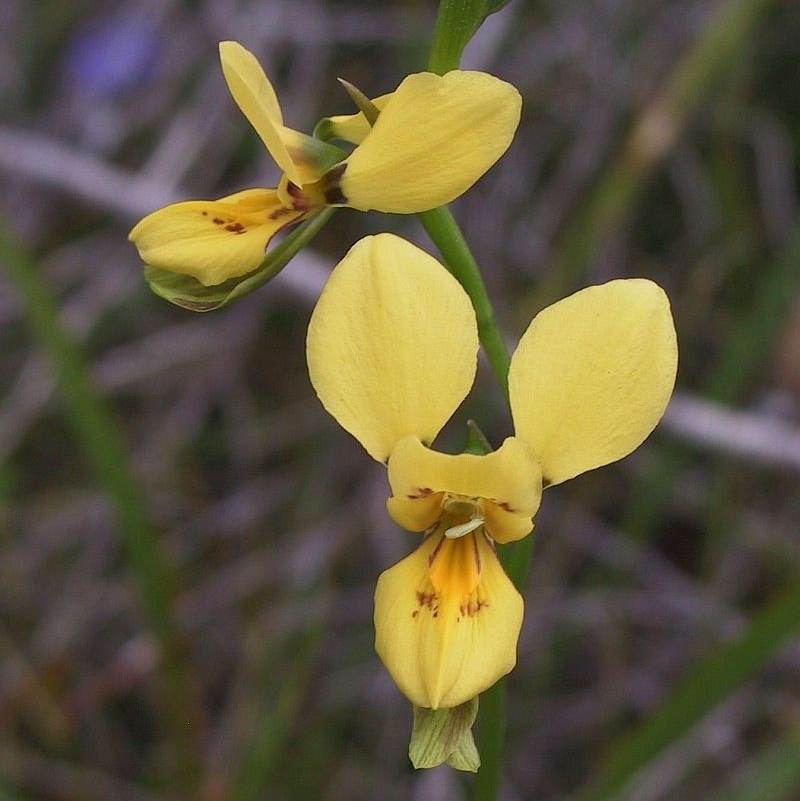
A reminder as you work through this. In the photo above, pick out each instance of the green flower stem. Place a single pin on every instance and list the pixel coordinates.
(446, 235)
(456, 23)
(101, 443)
(491, 739)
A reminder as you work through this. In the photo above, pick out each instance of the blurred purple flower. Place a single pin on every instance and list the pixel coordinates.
(111, 55)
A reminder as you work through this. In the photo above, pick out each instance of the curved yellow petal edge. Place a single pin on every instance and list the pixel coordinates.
(301, 157)
(253, 93)
(434, 138)
(213, 240)
(353, 128)
(506, 485)
(447, 621)
(592, 376)
(392, 344)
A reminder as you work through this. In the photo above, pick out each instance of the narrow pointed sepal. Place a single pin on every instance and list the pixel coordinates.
(303, 158)
(443, 736)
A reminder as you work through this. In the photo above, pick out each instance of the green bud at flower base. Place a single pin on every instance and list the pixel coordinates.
(445, 736)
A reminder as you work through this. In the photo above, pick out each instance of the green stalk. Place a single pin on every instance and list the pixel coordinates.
(446, 235)
(100, 440)
(456, 22)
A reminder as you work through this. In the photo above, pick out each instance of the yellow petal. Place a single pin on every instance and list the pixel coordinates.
(351, 127)
(392, 344)
(508, 479)
(213, 240)
(301, 157)
(447, 620)
(592, 376)
(434, 138)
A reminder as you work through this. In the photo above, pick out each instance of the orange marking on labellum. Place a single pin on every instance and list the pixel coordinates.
(278, 213)
(435, 552)
(426, 599)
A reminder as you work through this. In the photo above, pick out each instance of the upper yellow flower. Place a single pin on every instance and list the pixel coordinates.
(434, 137)
(392, 349)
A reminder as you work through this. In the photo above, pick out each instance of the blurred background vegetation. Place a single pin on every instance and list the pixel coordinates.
(190, 545)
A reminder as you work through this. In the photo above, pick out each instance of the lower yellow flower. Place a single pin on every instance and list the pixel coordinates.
(435, 610)
(392, 349)
(434, 136)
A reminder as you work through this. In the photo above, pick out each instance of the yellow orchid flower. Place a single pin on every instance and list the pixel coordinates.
(392, 349)
(434, 137)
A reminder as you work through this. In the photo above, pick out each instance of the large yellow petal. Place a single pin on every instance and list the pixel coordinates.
(447, 621)
(508, 480)
(213, 240)
(592, 376)
(434, 138)
(392, 344)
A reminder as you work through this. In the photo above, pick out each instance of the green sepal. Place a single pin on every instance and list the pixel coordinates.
(325, 130)
(441, 736)
(363, 103)
(477, 442)
(312, 150)
(189, 293)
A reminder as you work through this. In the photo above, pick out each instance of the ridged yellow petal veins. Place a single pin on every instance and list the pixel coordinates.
(503, 487)
(435, 137)
(392, 344)
(256, 98)
(213, 240)
(447, 620)
(592, 376)
(350, 127)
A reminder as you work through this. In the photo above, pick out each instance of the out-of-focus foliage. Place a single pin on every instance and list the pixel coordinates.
(659, 139)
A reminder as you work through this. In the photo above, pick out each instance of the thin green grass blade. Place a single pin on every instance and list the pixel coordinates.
(260, 770)
(713, 680)
(772, 775)
(101, 442)
(719, 46)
